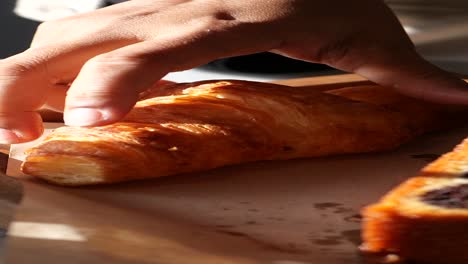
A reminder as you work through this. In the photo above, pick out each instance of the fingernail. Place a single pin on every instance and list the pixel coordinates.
(8, 137)
(84, 117)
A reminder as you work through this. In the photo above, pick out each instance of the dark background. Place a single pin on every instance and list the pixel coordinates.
(16, 32)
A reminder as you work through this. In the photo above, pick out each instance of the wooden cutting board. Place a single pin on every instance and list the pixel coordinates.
(281, 212)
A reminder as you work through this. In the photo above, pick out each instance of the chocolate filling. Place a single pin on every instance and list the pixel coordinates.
(448, 197)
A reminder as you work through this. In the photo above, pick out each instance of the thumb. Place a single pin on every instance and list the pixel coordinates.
(107, 88)
(110, 84)
(413, 76)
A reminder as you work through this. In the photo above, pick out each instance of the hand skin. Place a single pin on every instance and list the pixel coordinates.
(111, 55)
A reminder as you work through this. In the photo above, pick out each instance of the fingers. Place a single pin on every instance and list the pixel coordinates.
(18, 127)
(381, 51)
(23, 84)
(413, 76)
(38, 78)
(109, 85)
(23, 89)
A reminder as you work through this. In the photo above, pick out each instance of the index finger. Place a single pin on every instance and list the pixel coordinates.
(40, 76)
(23, 90)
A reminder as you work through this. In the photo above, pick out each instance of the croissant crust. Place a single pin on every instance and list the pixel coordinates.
(198, 126)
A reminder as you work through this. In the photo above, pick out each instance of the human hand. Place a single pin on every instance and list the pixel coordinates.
(111, 55)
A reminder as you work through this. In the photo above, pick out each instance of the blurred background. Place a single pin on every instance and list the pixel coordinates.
(439, 28)
(16, 31)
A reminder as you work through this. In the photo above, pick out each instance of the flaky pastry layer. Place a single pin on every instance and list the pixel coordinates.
(199, 126)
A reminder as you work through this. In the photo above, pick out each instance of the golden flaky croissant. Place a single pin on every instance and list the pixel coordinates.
(199, 126)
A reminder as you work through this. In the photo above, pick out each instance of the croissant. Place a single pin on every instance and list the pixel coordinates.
(182, 128)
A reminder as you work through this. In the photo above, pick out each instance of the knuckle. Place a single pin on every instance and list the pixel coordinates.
(332, 53)
(339, 53)
(210, 23)
(13, 69)
(16, 69)
(217, 20)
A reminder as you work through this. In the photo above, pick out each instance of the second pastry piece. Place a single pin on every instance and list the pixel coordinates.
(425, 218)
